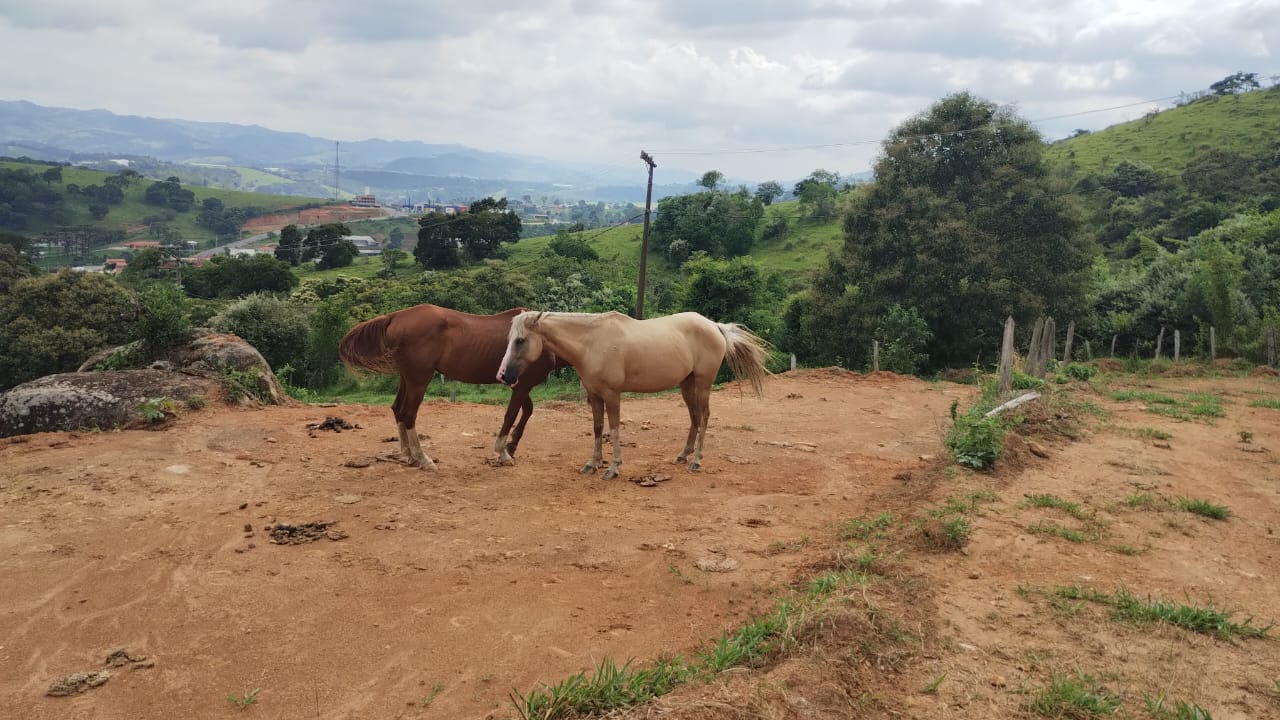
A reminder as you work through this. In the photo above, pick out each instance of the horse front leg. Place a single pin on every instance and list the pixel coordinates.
(615, 431)
(597, 419)
(501, 446)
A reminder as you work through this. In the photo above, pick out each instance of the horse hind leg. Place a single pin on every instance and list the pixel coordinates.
(704, 418)
(408, 400)
(615, 432)
(691, 403)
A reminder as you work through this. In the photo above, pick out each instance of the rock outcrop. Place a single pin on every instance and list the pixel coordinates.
(211, 364)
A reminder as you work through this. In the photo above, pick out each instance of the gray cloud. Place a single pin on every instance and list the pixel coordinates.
(597, 80)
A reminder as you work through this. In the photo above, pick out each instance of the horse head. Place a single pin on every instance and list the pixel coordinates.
(524, 345)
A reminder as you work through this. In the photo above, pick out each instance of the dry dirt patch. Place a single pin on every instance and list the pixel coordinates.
(453, 588)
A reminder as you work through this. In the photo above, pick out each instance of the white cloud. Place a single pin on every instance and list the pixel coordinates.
(598, 80)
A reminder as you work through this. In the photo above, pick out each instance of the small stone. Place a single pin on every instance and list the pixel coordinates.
(348, 499)
(926, 458)
(998, 681)
(272, 440)
(1037, 449)
(248, 527)
(360, 462)
(975, 575)
(716, 564)
(1162, 445)
(244, 505)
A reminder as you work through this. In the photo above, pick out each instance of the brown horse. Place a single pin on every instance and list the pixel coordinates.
(418, 341)
(614, 354)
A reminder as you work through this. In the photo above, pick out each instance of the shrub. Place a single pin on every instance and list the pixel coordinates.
(163, 323)
(277, 328)
(1079, 372)
(975, 440)
(903, 335)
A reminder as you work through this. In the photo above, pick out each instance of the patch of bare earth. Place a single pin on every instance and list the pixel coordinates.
(438, 594)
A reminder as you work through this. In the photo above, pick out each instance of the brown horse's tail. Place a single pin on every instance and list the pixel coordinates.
(365, 347)
(745, 352)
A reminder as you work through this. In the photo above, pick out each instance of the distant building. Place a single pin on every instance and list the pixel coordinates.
(115, 265)
(365, 244)
(142, 244)
(365, 201)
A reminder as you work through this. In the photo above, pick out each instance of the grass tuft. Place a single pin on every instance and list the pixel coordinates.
(1203, 508)
(1078, 697)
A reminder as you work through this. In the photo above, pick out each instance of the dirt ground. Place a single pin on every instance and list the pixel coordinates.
(441, 593)
(311, 216)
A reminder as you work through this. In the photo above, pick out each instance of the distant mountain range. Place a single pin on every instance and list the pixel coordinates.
(393, 168)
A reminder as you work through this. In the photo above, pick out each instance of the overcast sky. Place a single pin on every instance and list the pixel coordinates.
(599, 80)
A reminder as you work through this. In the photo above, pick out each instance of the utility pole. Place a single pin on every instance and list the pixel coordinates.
(336, 176)
(644, 242)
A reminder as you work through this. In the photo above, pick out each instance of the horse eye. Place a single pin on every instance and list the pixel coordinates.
(519, 341)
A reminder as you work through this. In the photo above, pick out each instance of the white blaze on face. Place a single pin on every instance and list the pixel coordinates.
(516, 326)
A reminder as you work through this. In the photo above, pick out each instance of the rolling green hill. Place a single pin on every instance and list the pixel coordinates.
(1245, 124)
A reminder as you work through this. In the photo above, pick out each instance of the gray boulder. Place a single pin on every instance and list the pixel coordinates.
(208, 365)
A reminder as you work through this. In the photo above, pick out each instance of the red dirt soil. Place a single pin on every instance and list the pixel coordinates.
(478, 580)
(311, 216)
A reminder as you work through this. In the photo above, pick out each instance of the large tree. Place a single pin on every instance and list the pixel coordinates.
(963, 225)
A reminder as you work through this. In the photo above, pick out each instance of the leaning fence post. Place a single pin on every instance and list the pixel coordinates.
(793, 361)
(1088, 353)
(1113, 345)
(875, 356)
(1006, 358)
(1271, 346)
(1177, 345)
(1159, 342)
(1213, 344)
(1071, 334)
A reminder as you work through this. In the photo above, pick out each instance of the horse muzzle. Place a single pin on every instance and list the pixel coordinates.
(509, 377)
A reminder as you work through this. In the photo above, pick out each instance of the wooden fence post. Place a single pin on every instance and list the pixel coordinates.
(793, 362)
(1271, 346)
(1006, 358)
(1047, 350)
(1113, 345)
(1088, 353)
(1029, 362)
(1071, 334)
(1213, 344)
(1159, 342)
(1177, 345)
(875, 356)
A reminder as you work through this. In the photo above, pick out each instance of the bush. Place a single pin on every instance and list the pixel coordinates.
(277, 328)
(975, 440)
(903, 335)
(163, 323)
(1079, 372)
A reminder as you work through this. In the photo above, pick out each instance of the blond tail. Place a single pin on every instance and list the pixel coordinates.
(745, 352)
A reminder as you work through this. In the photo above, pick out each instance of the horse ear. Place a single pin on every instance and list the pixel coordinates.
(534, 322)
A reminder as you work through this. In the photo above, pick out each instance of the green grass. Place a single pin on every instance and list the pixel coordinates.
(610, 686)
(1055, 502)
(1179, 710)
(242, 702)
(1061, 531)
(1203, 508)
(381, 390)
(1152, 433)
(1192, 405)
(1272, 403)
(1166, 142)
(1078, 697)
(1207, 620)
(862, 528)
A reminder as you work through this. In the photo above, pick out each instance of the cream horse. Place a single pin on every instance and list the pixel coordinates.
(614, 354)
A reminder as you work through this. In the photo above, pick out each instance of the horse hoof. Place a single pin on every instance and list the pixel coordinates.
(505, 461)
(680, 460)
(610, 474)
(588, 469)
(695, 467)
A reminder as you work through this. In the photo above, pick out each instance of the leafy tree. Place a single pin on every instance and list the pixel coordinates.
(14, 266)
(1240, 82)
(965, 225)
(339, 254)
(1218, 174)
(817, 193)
(572, 246)
(52, 323)
(487, 224)
(52, 175)
(718, 223)
(903, 336)
(767, 192)
(711, 179)
(1132, 179)
(169, 193)
(395, 240)
(147, 265)
(437, 247)
(289, 247)
(327, 246)
(723, 290)
(228, 277)
(391, 257)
